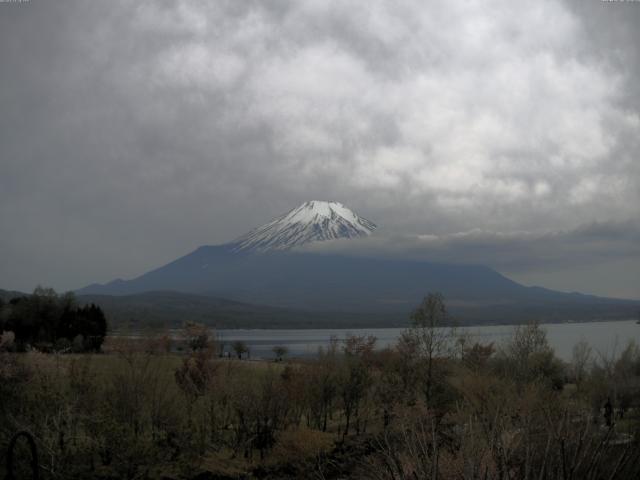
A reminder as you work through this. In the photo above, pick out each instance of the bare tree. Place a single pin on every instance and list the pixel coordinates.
(355, 379)
(198, 337)
(581, 356)
(240, 348)
(432, 335)
(280, 351)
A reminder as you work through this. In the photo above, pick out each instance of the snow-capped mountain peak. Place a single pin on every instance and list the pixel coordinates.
(310, 222)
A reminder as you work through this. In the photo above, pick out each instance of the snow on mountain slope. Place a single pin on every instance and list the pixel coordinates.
(310, 222)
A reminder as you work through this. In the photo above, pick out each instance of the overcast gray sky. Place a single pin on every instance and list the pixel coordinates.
(496, 132)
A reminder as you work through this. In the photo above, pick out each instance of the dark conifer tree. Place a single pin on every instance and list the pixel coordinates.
(44, 318)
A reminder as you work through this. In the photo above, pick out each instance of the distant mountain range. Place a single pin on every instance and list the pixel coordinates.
(265, 282)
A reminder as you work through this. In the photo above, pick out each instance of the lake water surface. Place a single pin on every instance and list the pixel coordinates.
(606, 338)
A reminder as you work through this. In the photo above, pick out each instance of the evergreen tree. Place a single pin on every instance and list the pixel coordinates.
(44, 318)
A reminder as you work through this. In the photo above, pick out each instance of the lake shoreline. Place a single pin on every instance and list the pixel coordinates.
(604, 337)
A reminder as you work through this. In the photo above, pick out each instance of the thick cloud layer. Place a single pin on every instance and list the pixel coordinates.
(133, 131)
(599, 258)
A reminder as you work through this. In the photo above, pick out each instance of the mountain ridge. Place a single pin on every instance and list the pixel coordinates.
(162, 309)
(329, 282)
(264, 267)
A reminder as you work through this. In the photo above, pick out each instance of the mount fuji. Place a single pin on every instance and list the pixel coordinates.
(310, 222)
(265, 268)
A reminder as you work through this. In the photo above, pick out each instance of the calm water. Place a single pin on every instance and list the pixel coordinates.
(604, 337)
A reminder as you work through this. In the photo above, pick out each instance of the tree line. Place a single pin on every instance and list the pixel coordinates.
(50, 322)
